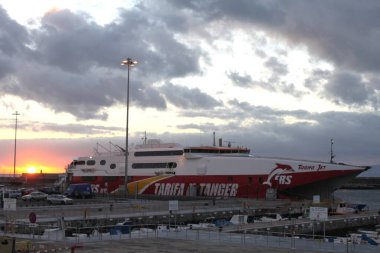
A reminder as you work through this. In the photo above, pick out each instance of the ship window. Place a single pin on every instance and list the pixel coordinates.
(159, 153)
(110, 179)
(79, 163)
(250, 180)
(89, 178)
(230, 179)
(91, 162)
(260, 180)
(112, 166)
(216, 150)
(102, 162)
(154, 165)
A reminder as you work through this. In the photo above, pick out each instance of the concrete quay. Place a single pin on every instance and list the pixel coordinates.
(307, 226)
(279, 236)
(192, 241)
(141, 210)
(106, 213)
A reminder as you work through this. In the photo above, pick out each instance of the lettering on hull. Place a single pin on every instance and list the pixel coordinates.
(169, 189)
(311, 167)
(283, 179)
(96, 188)
(203, 189)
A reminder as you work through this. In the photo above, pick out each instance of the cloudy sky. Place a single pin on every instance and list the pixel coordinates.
(280, 77)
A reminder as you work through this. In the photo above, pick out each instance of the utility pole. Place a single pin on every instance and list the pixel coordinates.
(15, 150)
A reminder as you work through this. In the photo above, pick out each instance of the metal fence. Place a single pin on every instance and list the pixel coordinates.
(266, 239)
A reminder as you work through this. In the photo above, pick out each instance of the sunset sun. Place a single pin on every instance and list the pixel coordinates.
(31, 170)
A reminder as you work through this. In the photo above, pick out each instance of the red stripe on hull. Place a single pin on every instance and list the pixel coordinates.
(250, 186)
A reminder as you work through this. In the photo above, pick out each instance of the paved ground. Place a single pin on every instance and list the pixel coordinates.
(172, 246)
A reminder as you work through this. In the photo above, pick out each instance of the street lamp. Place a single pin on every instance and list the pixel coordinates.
(129, 62)
(14, 154)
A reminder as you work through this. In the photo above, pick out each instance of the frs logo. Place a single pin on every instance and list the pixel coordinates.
(277, 172)
(283, 179)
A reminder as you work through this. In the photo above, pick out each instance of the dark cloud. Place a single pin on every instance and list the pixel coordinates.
(276, 66)
(6, 66)
(238, 112)
(75, 43)
(13, 41)
(345, 32)
(71, 41)
(242, 80)
(146, 96)
(274, 82)
(73, 64)
(316, 79)
(13, 37)
(81, 95)
(70, 48)
(71, 128)
(349, 89)
(187, 98)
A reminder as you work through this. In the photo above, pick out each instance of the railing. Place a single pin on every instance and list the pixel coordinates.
(266, 239)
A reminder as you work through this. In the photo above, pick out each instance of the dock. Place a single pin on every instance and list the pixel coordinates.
(89, 220)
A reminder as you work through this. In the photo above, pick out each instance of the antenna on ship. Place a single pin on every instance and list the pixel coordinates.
(229, 143)
(331, 151)
(144, 138)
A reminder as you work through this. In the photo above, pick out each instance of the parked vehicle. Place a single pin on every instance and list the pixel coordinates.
(34, 196)
(79, 191)
(26, 191)
(59, 199)
(49, 190)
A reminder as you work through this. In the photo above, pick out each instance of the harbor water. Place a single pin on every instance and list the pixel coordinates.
(369, 197)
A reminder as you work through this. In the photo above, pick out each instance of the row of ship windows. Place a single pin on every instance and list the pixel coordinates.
(170, 165)
(110, 179)
(190, 150)
(163, 153)
(157, 153)
(217, 151)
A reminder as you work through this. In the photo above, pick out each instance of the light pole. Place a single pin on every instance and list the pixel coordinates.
(14, 154)
(129, 62)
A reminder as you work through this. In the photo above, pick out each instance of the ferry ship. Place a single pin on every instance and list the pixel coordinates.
(169, 169)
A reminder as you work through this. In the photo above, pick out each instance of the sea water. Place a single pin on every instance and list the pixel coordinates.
(369, 197)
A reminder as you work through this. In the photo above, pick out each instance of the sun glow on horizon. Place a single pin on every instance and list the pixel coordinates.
(31, 170)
